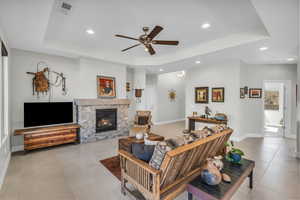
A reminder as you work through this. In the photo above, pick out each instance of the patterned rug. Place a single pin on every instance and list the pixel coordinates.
(113, 165)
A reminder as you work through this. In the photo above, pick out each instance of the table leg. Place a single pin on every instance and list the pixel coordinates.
(190, 196)
(251, 180)
(191, 125)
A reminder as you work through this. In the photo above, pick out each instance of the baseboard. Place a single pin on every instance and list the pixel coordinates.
(168, 122)
(3, 172)
(17, 148)
(291, 136)
(241, 137)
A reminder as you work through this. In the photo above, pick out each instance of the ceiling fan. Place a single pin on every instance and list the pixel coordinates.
(148, 39)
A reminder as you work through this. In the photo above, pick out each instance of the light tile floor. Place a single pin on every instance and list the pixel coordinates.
(73, 172)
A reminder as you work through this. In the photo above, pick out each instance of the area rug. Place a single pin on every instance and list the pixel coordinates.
(113, 165)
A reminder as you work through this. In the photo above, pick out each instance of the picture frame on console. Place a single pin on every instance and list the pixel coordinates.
(106, 87)
(255, 93)
(242, 93)
(218, 94)
(201, 95)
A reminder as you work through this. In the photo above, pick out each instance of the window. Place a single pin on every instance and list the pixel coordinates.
(4, 122)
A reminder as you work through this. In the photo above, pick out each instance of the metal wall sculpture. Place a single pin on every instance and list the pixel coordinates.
(42, 80)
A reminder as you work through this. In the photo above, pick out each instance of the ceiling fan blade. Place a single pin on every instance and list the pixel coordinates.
(150, 49)
(130, 47)
(123, 36)
(165, 42)
(155, 32)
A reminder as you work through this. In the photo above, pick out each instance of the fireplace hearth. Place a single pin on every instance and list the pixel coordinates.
(106, 120)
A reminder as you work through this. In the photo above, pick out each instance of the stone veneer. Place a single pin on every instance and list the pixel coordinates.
(86, 118)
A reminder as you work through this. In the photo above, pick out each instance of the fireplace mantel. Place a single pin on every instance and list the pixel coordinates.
(96, 102)
(86, 118)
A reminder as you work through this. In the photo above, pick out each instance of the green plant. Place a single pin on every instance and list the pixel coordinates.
(233, 151)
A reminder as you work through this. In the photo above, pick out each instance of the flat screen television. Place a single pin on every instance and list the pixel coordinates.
(47, 113)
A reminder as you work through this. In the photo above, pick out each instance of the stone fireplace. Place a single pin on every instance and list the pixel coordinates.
(102, 118)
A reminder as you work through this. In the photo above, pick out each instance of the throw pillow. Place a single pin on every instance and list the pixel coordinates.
(143, 120)
(159, 154)
(142, 151)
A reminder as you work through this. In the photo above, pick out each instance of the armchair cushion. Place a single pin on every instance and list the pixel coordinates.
(142, 151)
(143, 120)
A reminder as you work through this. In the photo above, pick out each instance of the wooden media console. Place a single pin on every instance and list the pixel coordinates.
(40, 137)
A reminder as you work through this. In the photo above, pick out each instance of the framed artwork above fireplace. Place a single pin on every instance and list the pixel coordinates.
(106, 87)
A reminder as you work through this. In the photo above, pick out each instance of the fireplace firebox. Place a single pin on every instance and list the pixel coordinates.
(106, 120)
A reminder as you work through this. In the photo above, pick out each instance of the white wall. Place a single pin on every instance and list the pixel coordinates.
(151, 96)
(216, 75)
(81, 80)
(5, 151)
(168, 110)
(253, 76)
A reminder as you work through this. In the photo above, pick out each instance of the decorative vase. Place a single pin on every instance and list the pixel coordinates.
(139, 136)
(236, 158)
(211, 175)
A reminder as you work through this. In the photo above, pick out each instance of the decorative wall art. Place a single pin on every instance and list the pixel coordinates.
(218, 94)
(106, 87)
(128, 87)
(172, 95)
(41, 82)
(255, 93)
(138, 95)
(271, 100)
(201, 95)
(242, 93)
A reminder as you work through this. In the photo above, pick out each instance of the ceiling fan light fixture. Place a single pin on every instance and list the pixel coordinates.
(146, 49)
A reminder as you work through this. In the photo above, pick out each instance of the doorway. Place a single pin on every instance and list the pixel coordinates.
(275, 109)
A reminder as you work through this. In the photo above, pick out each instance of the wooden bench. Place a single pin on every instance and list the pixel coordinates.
(179, 167)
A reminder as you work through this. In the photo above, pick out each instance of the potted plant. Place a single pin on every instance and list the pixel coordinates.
(234, 155)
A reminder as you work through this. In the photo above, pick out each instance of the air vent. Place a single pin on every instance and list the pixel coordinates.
(66, 6)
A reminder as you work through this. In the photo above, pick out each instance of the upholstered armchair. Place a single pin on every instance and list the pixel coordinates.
(143, 119)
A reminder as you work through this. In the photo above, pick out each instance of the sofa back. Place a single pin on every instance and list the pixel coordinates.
(187, 160)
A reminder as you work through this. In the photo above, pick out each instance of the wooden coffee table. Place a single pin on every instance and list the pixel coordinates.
(223, 191)
(125, 143)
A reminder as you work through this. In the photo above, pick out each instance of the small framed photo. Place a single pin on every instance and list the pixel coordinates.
(255, 93)
(242, 93)
(201, 95)
(218, 94)
(106, 87)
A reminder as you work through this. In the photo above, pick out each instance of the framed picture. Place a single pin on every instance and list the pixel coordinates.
(271, 100)
(255, 93)
(201, 95)
(128, 87)
(242, 93)
(218, 94)
(106, 87)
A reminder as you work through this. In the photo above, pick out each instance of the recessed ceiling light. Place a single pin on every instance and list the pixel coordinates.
(161, 70)
(198, 62)
(205, 25)
(290, 59)
(90, 31)
(263, 48)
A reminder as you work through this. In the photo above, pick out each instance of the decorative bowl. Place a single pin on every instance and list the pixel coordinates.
(139, 136)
